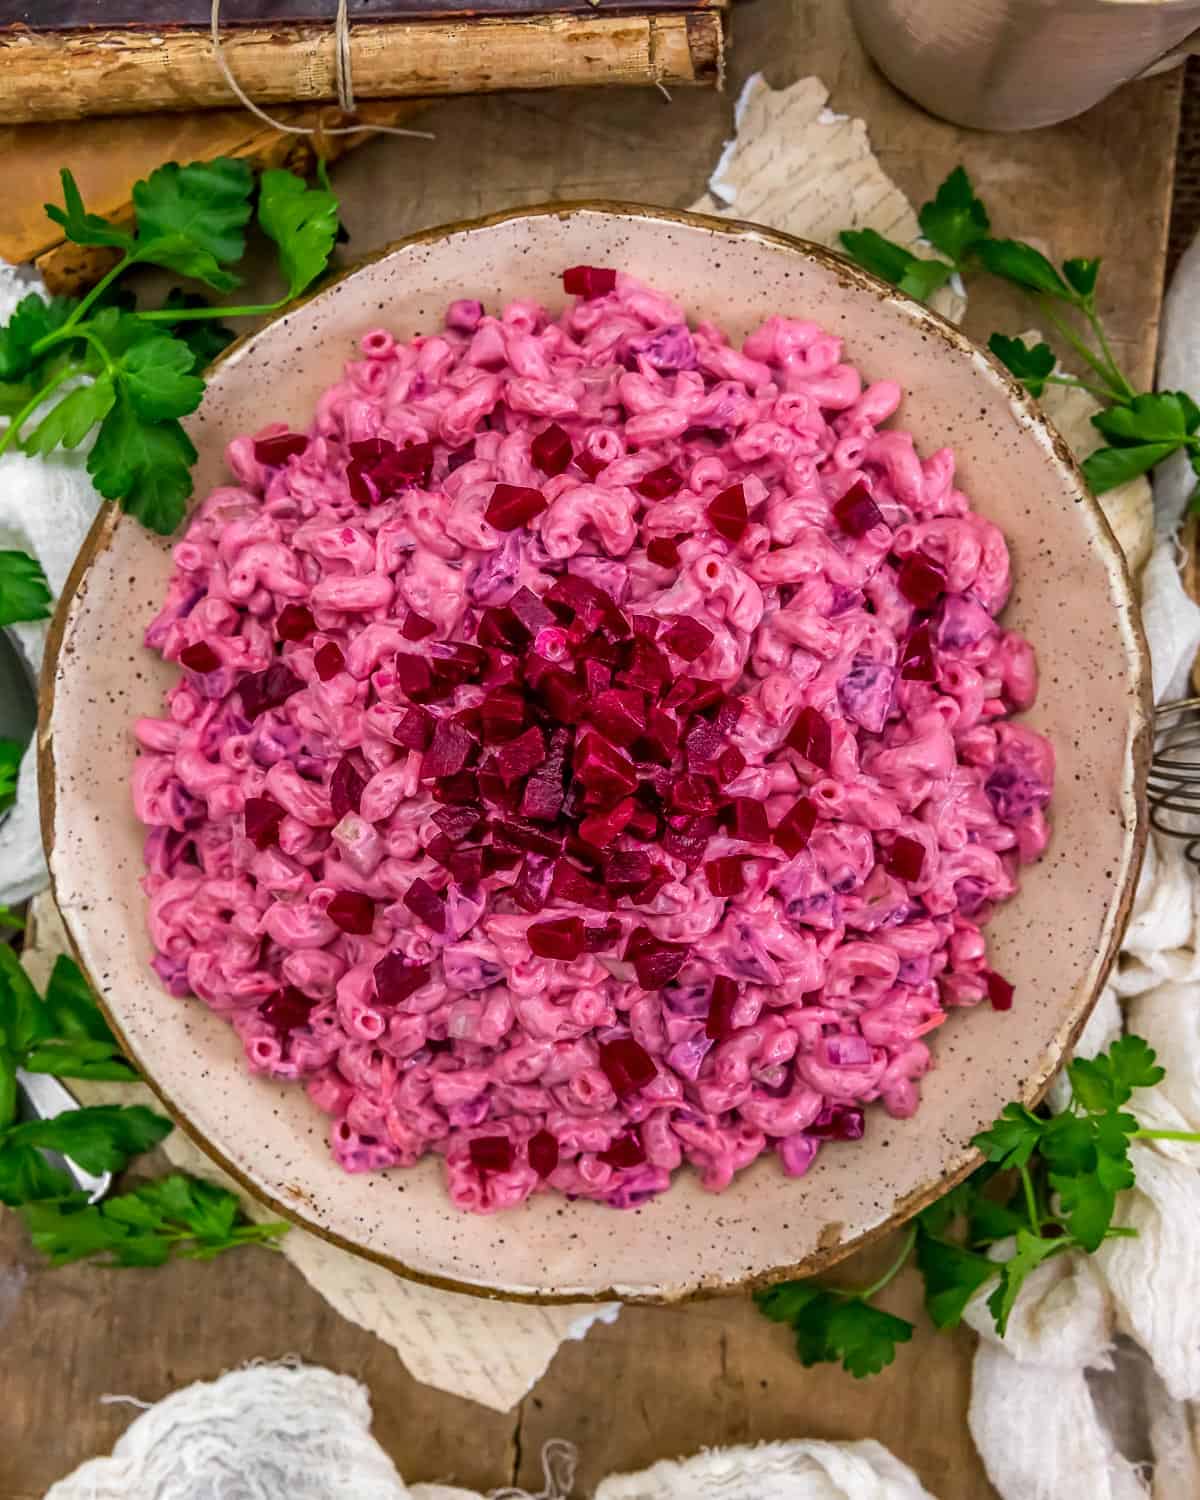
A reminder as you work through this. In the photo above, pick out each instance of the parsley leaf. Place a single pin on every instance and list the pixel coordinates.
(23, 1017)
(11, 752)
(192, 219)
(32, 319)
(81, 1044)
(204, 337)
(24, 592)
(157, 376)
(893, 263)
(68, 423)
(1029, 365)
(833, 1327)
(1158, 417)
(938, 1217)
(144, 465)
(102, 1138)
(302, 221)
(1029, 1254)
(1013, 260)
(26, 1175)
(8, 917)
(1081, 275)
(1014, 1137)
(1108, 1081)
(952, 1277)
(80, 226)
(955, 221)
(1109, 467)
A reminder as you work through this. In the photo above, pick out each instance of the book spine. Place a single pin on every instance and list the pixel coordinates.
(72, 75)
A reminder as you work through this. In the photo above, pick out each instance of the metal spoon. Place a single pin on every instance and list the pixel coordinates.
(42, 1098)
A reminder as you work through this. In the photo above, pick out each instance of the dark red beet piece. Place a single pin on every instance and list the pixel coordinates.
(590, 465)
(659, 484)
(727, 512)
(501, 628)
(747, 819)
(661, 738)
(602, 768)
(658, 964)
(571, 884)
(543, 1153)
(725, 875)
(328, 660)
(551, 450)
(1000, 992)
(694, 794)
(462, 787)
(396, 978)
(562, 695)
(596, 939)
(530, 610)
(730, 764)
(531, 890)
(589, 281)
(513, 505)
(688, 638)
(921, 581)
(345, 788)
(502, 716)
(856, 513)
(905, 859)
(643, 824)
(796, 826)
(286, 1009)
(621, 714)
(492, 1153)
(448, 752)
(561, 939)
(648, 668)
(663, 552)
(441, 848)
(626, 1065)
(495, 791)
(414, 675)
(414, 729)
(424, 902)
(522, 755)
(719, 1024)
(810, 735)
(844, 1123)
(276, 450)
(524, 836)
(627, 870)
(352, 912)
(459, 823)
(266, 690)
(263, 817)
(544, 793)
(416, 627)
(625, 1150)
(199, 657)
(294, 622)
(689, 842)
(916, 659)
(467, 866)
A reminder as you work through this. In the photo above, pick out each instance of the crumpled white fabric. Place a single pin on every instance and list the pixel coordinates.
(303, 1433)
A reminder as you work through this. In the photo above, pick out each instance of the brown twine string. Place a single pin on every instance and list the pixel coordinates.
(345, 84)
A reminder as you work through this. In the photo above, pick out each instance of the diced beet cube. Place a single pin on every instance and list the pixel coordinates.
(499, 859)
(424, 902)
(199, 657)
(624, 1151)
(1000, 992)
(414, 674)
(659, 484)
(448, 752)
(414, 729)
(856, 513)
(643, 824)
(517, 835)
(273, 451)
(501, 628)
(495, 791)
(287, 1009)
(543, 1153)
(905, 859)
(599, 829)
(658, 964)
(590, 464)
(916, 657)
(728, 514)
(530, 610)
(462, 787)
(620, 713)
(396, 978)
(522, 755)
(688, 638)
(531, 889)
(627, 1065)
(796, 826)
(747, 819)
(460, 822)
(467, 867)
(294, 622)
(704, 743)
(725, 875)
(627, 870)
(491, 1153)
(328, 660)
(663, 552)
(659, 876)
(551, 450)
(266, 690)
(589, 282)
(597, 938)
(661, 739)
(921, 581)
(838, 1122)
(263, 817)
(571, 884)
(602, 768)
(706, 698)
(648, 668)
(502, 716)
(513, 505)
(596, 678)
(719, 1024)
(352, 912)
(810, 735)
(561, 939)
(442, 849)
(694, 794)
(345, 788)
(689, 842)
(416, 627)
(562, 695)
(730, 764)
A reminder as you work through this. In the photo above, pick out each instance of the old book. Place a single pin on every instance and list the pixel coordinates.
(67, 59)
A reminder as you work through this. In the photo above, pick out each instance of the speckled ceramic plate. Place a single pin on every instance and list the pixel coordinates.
(1055, 941)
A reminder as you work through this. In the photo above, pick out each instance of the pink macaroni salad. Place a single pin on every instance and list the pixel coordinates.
(594, 750)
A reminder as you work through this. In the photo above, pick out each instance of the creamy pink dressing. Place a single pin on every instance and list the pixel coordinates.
(846, 944)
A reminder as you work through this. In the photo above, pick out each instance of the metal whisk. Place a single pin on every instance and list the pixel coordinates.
(1173, 787)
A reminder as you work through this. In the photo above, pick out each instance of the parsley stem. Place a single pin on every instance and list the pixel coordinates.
(867, 1292)
(98, 290)
(1102, 340)
(1110, 378)
(1031, 1207)
(14, 427)
(1079, 385)
(63, 335)
(1166, 1135)
(189, 314)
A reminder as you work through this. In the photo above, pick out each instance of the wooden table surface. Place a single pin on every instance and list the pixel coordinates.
(660, 1382)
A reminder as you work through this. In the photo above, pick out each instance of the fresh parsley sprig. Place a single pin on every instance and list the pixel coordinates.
(1141, 428)
(1050, 1185)
(64, 1033)
(130, 374)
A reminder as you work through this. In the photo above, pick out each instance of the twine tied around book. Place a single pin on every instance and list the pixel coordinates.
(344, 76)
